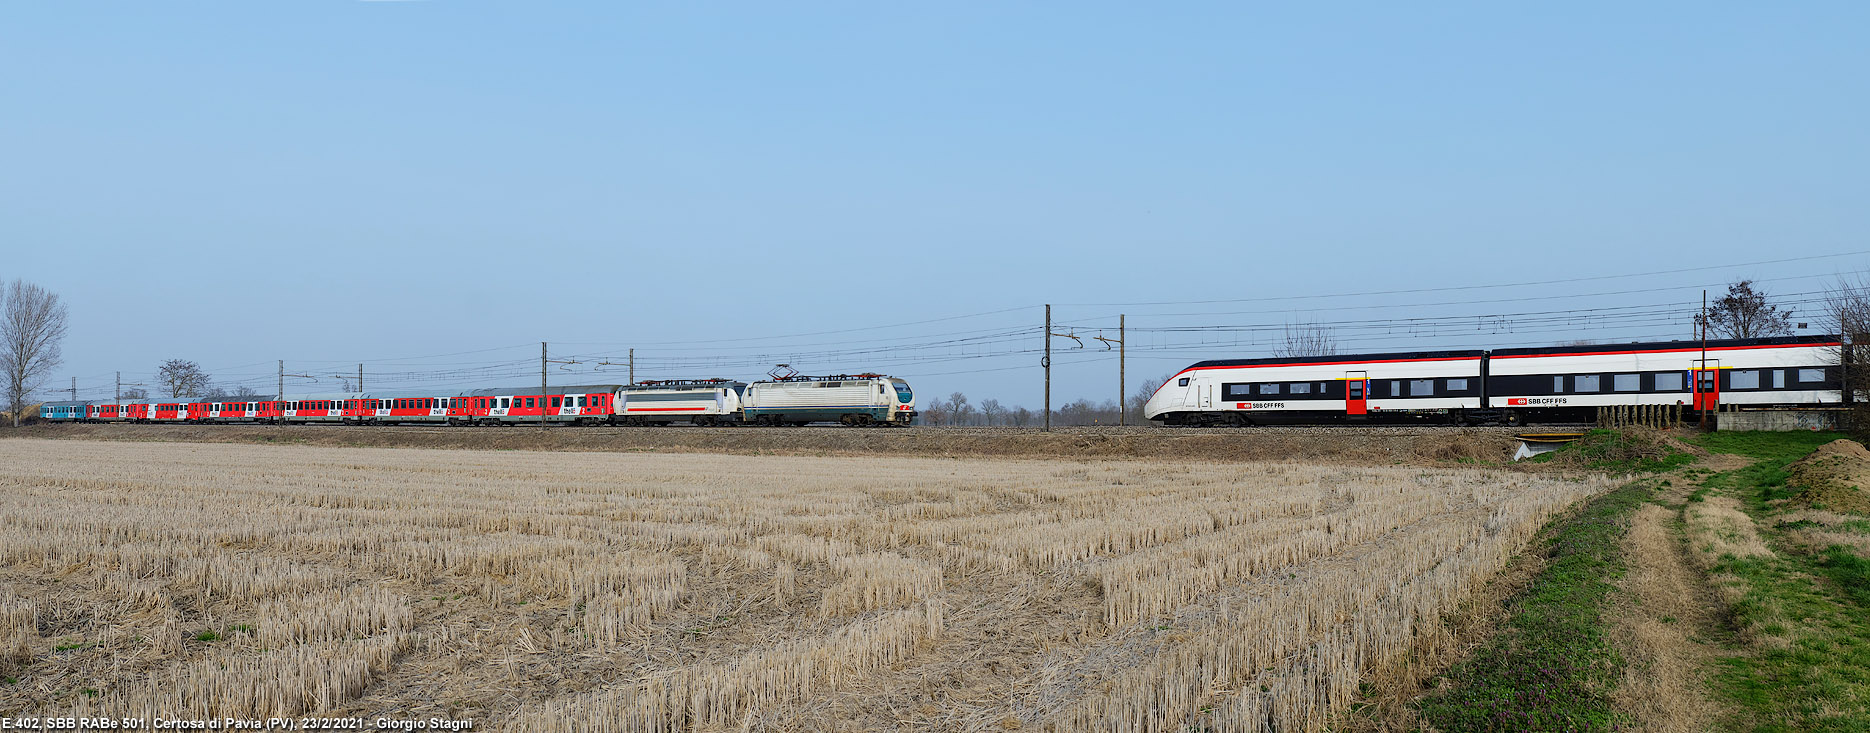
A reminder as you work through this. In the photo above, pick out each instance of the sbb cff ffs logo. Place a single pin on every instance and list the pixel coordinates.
(1533, 401)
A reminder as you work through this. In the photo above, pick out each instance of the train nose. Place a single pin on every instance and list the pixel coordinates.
(1157, 404)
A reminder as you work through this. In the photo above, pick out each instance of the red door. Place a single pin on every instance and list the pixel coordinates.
(1708, 386)
(1354, 398)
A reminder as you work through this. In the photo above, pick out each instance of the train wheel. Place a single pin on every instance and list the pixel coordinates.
(1513, 419)
(848, 421)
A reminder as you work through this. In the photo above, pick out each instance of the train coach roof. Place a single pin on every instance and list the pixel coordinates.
(1669, 345)
(692, 384)
(831, 378)
(1343, 358)
(65, 403)
(533, 390)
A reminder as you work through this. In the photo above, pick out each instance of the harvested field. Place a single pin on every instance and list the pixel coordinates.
(676, 592)
(1361, 444)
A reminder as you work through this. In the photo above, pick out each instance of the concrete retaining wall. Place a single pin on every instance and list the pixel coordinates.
(1777, 420)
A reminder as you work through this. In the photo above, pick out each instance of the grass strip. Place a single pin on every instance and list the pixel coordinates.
(1803, 657)
(1550, 668)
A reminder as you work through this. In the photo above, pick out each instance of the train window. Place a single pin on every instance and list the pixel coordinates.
(1669, 382)
(532, 402)
(1269, 389)
(1183, 382)
(1236, 391)
(1457, 385)
(1744, 379)
(555, 404)
(1395, 388)
(1558, 385)
(1300, 388)
(503, 402)
(1811, 375)
(1584, 383)
(1626, 383)
(1421, 387)
(1779, 379)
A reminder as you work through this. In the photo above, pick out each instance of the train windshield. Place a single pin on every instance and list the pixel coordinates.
(903, 394)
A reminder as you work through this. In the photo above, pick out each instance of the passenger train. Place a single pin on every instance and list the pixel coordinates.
(850, 399)
(1506, 386)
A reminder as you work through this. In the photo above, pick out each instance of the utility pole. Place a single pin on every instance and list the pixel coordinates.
(74, 389)
(1047, 363)
(544, 399)
(633, 366)
(119, 397)
(281, 397)
(1703, 318)
(360, 377)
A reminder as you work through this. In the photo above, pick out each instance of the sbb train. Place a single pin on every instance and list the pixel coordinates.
(850, 399)
(1508, 386)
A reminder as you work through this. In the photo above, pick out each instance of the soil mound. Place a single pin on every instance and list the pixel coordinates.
(1835, 477)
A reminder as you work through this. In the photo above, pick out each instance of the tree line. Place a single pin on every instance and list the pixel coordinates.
(959, 411)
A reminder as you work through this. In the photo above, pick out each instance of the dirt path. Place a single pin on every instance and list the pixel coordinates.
(1664, 618)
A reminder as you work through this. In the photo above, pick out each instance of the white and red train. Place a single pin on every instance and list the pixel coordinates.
(850, 399)
(1509, 386)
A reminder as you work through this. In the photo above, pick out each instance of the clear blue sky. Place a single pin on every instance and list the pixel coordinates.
(334, 182)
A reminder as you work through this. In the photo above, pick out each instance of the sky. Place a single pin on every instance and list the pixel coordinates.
(433, 188)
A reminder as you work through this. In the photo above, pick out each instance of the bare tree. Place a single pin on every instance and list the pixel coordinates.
(991, 410)
(135, 393)
(1306, 339)
(935, 412)
(214, 393)
(245, 393)
(1847, 314)
(1021, 416)
(182, 378)
(1745, 313)
(958, 408)
(32, 330)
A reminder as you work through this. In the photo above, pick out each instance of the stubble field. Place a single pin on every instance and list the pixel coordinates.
(677, 592)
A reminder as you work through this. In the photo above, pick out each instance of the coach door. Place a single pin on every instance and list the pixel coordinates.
(1355, 401)
(1708, 385)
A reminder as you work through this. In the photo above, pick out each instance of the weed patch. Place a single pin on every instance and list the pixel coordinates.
(1628, 450)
